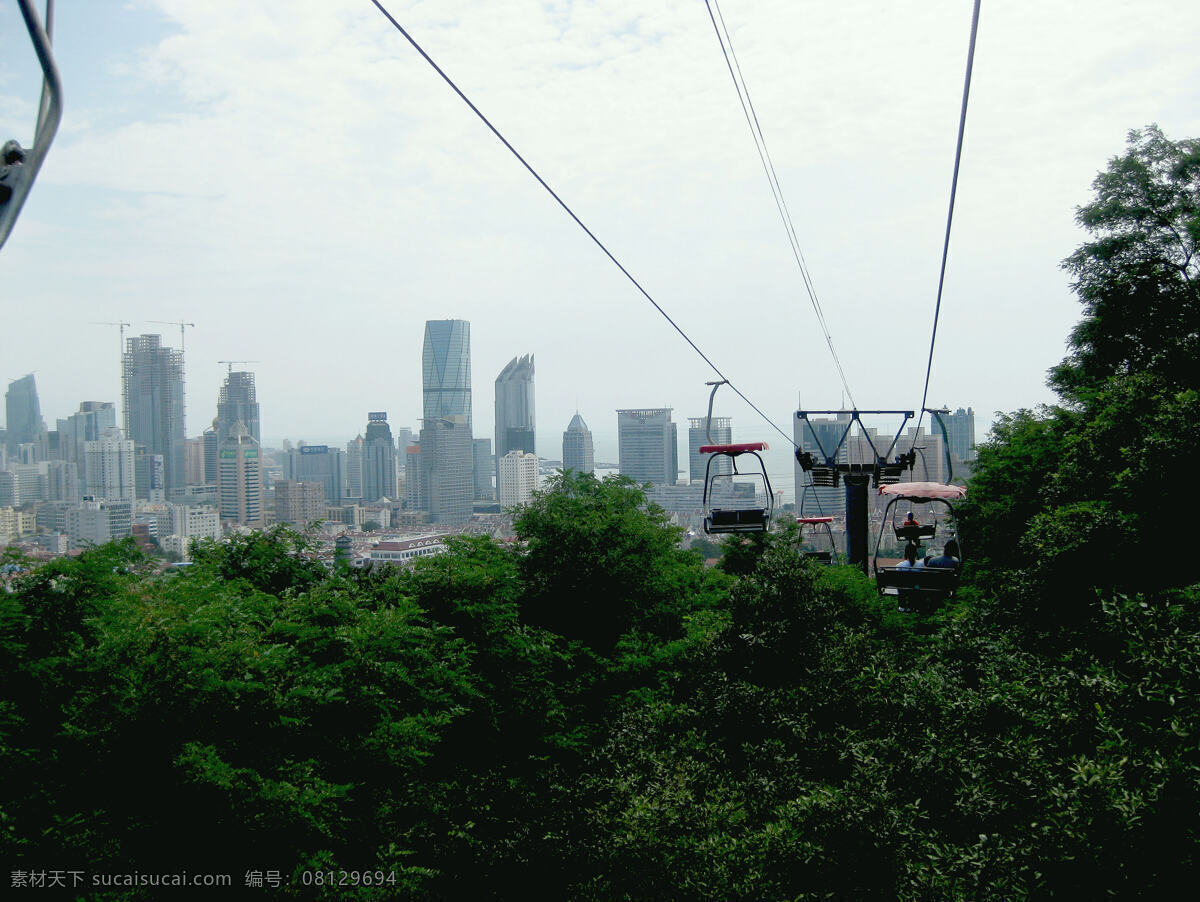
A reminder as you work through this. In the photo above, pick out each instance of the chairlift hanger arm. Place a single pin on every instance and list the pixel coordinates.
(18, 167)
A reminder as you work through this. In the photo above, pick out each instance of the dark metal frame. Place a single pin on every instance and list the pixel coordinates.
(19, 167)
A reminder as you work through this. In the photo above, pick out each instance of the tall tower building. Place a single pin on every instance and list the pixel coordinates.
(108, 467)
(23, 414)
(518, 478)
(237, 402)
(446, 370)
(578, 454)
(239, 478)
(960, 430)
(648, 445)
(447, 469)
(699, 430)
(482, 449)
(90, 422)
(152, 390)
(379, 460)
(354, 469)
(317, 463)
(514, 410)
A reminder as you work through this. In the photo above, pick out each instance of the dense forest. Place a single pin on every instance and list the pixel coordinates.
(594, 714)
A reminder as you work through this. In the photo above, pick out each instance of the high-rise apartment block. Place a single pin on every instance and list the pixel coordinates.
(108, 466)
(299, 503)
(379, 460)
(23, 414)
(518, 478)
(239, 479)
(446, 370)
(238, 402)
(578, 452)
(515, 424)
(152, 394)
(701, 432)
(648, 445)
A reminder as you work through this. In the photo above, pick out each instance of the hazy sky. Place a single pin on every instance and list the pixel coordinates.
(290, 176)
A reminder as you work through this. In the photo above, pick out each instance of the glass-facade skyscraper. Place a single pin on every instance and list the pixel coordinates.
(578, 454)
(152, 389)
(514, 410)
(700, 430)
(446, 370)
(379, 460)
(23, 414)
(648, 445)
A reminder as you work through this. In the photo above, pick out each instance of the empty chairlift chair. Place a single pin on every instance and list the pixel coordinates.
(718, 519)
(819, 526)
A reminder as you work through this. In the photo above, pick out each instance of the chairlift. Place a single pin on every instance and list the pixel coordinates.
(819, 526)
(735, 519)
(717, 519)
(919, 588)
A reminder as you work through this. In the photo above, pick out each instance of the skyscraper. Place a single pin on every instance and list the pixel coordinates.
(379, 459)
(317, 463)
(700, 430)
(354, 469)
(578, 454)
(514, 410)
(23, 414)
(239, 479)
(482, 448)
(152, 390)
(960, 430)
(90, 422)
(446, 370)
(447, 465)
(237, 402)
(648, 445)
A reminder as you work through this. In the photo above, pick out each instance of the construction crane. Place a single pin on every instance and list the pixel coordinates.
(232, 362)
(120, 325)
(173, 322)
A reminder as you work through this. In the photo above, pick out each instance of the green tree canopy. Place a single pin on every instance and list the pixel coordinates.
(1139, 275)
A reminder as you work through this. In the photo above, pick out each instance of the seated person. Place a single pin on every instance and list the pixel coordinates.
(948, 558)
(910, 520)
(910, 561)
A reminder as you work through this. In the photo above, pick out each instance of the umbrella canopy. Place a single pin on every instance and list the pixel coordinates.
(924, 491)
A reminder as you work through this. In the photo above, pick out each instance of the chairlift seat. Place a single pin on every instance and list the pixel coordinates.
(928, 582)
(751, 519)
(820, 557)
(735, 449)
(913, 533)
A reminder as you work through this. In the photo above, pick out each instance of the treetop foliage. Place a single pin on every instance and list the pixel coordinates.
(592, 713)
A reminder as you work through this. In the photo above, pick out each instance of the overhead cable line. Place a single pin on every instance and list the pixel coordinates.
(446, 78)
(764, 155)
(962, 125)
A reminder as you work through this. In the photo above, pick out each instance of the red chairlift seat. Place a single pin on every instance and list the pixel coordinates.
(821, 557)
(719, 520)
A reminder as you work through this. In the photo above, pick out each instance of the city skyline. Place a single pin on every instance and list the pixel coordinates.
(629, 114)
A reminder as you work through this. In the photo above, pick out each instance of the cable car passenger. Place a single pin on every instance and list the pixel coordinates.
(910, 561)
(948, 558)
